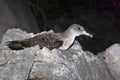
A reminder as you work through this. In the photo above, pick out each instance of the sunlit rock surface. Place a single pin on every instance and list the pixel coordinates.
(112, 58)
(44, 64)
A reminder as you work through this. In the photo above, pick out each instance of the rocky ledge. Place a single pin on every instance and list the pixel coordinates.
(43, 64)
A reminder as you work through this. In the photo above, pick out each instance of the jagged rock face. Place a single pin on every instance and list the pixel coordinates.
(43, 64)
(112, 58)
(15, 14)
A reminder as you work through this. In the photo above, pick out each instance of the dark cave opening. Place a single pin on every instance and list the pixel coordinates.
(99, 17)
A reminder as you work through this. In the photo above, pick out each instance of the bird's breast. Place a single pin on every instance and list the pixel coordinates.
(67, 43)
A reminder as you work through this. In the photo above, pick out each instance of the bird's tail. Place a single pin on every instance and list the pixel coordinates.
(16, 45)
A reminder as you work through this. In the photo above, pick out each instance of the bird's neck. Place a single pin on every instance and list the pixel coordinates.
(68, 34)
(68, 39)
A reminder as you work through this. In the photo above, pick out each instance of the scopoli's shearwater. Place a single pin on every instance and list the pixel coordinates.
(51, 40)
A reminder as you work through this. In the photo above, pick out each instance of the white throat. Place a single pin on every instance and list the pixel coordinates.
(68, 39)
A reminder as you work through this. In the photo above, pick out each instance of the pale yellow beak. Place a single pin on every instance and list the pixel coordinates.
(87, 34)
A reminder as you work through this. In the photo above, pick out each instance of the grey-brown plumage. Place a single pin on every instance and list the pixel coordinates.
(45, 40)
(50, 40)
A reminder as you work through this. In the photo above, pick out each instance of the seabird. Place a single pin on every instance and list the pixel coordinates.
(51, 40)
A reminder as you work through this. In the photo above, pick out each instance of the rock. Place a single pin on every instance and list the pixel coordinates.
(16, 14)
(43, 64)
(112, 58)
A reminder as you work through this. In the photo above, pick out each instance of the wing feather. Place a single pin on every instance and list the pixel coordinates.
(46, 40)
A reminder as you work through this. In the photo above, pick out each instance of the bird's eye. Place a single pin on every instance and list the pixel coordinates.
(79, 28)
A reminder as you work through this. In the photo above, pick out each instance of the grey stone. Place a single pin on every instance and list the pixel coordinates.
(112, 58)
(13, 13)
(44, 64)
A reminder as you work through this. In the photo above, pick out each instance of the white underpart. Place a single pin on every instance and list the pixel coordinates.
(67, 42)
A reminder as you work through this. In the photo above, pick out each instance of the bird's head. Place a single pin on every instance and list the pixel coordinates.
(78, 30)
